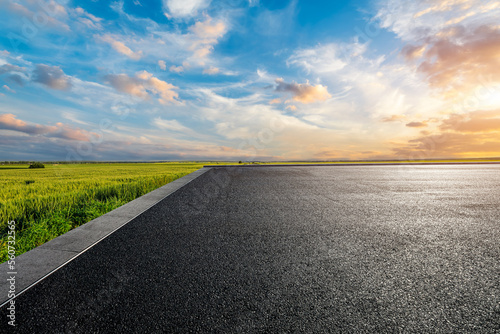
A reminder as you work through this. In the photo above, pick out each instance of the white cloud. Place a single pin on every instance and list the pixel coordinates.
(206, 35)
(193, 46)
(185, 8)
(87, 19)
(162, 64)
(327, 58)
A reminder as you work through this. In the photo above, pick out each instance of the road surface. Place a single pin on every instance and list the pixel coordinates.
(354, 249)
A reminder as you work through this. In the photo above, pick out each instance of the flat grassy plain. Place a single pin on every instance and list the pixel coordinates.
(50, 201)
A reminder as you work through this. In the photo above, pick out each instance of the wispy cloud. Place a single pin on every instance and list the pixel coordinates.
(87, 19)
(7, 88)
(172, 125)
(121, 47)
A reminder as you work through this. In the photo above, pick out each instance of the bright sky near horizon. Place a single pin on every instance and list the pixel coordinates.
(249, 79)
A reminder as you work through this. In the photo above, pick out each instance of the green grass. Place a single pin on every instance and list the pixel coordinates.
(48, 202)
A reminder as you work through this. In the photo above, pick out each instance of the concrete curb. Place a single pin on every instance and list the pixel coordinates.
(40, 262)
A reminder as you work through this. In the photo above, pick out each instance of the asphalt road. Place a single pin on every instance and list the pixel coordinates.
(382, 249)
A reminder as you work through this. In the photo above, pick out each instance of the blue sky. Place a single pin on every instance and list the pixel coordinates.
(248, 80)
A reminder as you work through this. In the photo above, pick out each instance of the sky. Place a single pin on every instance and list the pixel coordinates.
(249, 80)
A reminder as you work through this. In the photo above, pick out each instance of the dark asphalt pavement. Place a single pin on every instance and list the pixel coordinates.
(382, 249)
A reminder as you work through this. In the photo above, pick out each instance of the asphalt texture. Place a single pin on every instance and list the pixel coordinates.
(382, 249)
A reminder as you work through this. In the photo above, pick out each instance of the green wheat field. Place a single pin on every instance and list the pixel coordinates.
(50, 201)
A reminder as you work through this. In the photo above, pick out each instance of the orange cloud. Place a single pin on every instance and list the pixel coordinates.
(474, 134)
(450, 145)
(459, 60)
(304, 93)
(478, 121)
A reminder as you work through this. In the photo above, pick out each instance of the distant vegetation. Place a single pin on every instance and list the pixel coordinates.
(56, 199)
(37, 165)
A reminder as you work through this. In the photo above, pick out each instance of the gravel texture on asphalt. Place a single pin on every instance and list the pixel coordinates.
(382, 249)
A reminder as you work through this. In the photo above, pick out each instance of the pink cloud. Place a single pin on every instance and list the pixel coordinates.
(60, 130)
(143, 85)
